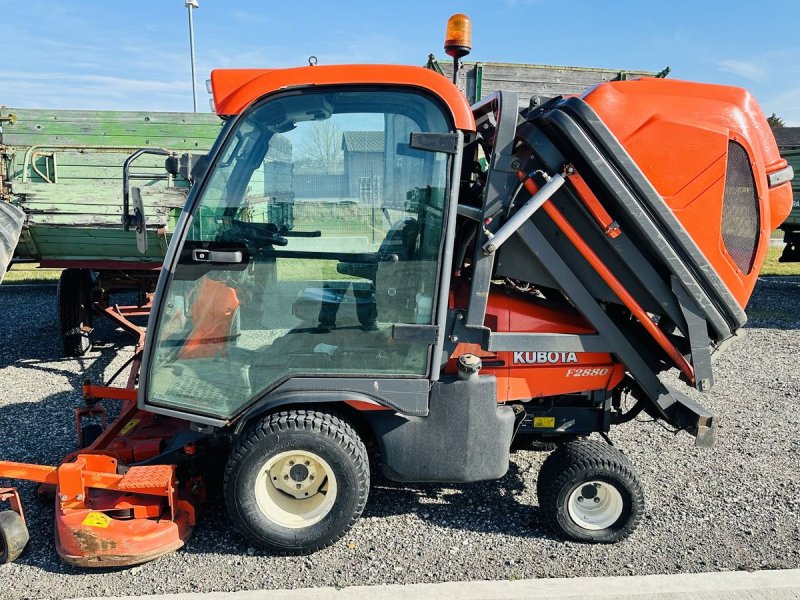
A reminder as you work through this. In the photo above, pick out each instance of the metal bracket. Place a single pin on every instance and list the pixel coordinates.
(11, 495)
(434, 142)
(416, 334)
(697, 329)
(491, 341)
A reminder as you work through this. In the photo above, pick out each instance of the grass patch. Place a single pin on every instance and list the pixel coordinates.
(30, 273)
(773, 267)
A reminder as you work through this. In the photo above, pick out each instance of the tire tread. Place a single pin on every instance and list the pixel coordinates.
(14, 536)
(314, 421)
(579, 456)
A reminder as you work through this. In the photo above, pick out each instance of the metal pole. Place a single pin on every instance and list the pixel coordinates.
(190, 5)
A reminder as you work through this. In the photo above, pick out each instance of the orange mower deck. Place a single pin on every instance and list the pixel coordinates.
(109, 511)
(108, 515)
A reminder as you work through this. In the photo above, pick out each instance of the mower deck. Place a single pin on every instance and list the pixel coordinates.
(112, 509)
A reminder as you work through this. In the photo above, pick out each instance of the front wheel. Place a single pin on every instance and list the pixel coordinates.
(589, 492)
(297, 481)
(13, 536)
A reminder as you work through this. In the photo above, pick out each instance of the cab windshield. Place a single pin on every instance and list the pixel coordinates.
(318, 228)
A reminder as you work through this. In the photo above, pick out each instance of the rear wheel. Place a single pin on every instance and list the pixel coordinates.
(74, 311)
(297, 481)
(589, 492)
(13, 536)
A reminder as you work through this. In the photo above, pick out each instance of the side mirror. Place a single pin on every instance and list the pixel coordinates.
(138, 220)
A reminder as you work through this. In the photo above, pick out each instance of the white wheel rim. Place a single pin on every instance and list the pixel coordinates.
(295, 489)
(595, 505)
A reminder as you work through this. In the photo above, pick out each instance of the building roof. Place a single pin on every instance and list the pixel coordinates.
(363, 141)
(787, 137)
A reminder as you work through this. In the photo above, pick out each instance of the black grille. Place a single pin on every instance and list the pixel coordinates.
(740, 218)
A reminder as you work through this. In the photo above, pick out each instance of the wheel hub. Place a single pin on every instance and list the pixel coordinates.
(595, 505)
(298, 475)
(296, 488)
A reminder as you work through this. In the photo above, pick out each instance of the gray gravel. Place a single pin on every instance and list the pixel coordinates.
(735, 506)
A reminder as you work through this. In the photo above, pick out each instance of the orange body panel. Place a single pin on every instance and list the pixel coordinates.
(235, 89)
(690, 173)
(526, 375)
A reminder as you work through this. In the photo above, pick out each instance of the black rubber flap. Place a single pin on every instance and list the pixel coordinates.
(465, 437)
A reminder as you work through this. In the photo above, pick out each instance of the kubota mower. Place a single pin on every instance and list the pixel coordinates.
(455, 277)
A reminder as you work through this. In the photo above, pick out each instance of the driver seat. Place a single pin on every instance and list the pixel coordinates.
(214, 312)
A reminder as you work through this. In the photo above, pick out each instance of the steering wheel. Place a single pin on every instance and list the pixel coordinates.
(258, 234)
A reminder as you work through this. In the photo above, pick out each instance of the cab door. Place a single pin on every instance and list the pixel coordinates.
(317, 229)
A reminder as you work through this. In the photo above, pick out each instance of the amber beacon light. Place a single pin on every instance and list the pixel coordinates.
(458, 40)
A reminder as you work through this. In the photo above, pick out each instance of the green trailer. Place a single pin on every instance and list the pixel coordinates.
(61, 200)
(63, 169)
(788, 139)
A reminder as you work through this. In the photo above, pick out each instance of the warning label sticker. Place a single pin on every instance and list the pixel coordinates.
(544, 422)
(96, 519)
(129, 426)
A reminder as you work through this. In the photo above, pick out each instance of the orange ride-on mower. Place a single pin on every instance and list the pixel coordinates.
(451, 278)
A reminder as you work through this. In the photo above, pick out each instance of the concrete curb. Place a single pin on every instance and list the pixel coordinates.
(732, 585)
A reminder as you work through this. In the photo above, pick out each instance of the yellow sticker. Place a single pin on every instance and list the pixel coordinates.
(96, 519)
(131, 424)
(547, 422)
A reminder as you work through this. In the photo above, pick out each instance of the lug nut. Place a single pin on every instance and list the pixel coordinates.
(580, 498)
(308, 462)
(286, 477)
(597, 500)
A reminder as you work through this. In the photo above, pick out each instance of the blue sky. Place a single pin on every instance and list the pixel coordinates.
(126, 55)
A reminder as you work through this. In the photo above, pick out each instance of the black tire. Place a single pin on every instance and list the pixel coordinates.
(569, 470)
(13, 536)
(326, 437)
(74, 311)
(90, 433)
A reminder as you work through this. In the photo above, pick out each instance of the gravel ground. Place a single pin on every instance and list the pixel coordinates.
(735, 506)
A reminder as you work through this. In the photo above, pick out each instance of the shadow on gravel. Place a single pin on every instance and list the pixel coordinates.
(483, 507)
(489, 507)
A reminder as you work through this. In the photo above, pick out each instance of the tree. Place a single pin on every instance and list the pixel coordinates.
(775, 121)
(322, 147)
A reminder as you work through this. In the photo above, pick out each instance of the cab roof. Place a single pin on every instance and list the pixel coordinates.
(235, 89)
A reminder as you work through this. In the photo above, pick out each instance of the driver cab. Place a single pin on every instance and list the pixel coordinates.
(317, 229)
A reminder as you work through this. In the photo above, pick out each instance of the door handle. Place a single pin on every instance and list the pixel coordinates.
(217, 256)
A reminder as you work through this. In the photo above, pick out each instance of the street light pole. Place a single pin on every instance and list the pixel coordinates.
(192, 4)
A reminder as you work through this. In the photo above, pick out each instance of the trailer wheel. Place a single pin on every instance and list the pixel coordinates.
(74, 311)
(297, 481)
(13, 536)
(589, 492)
